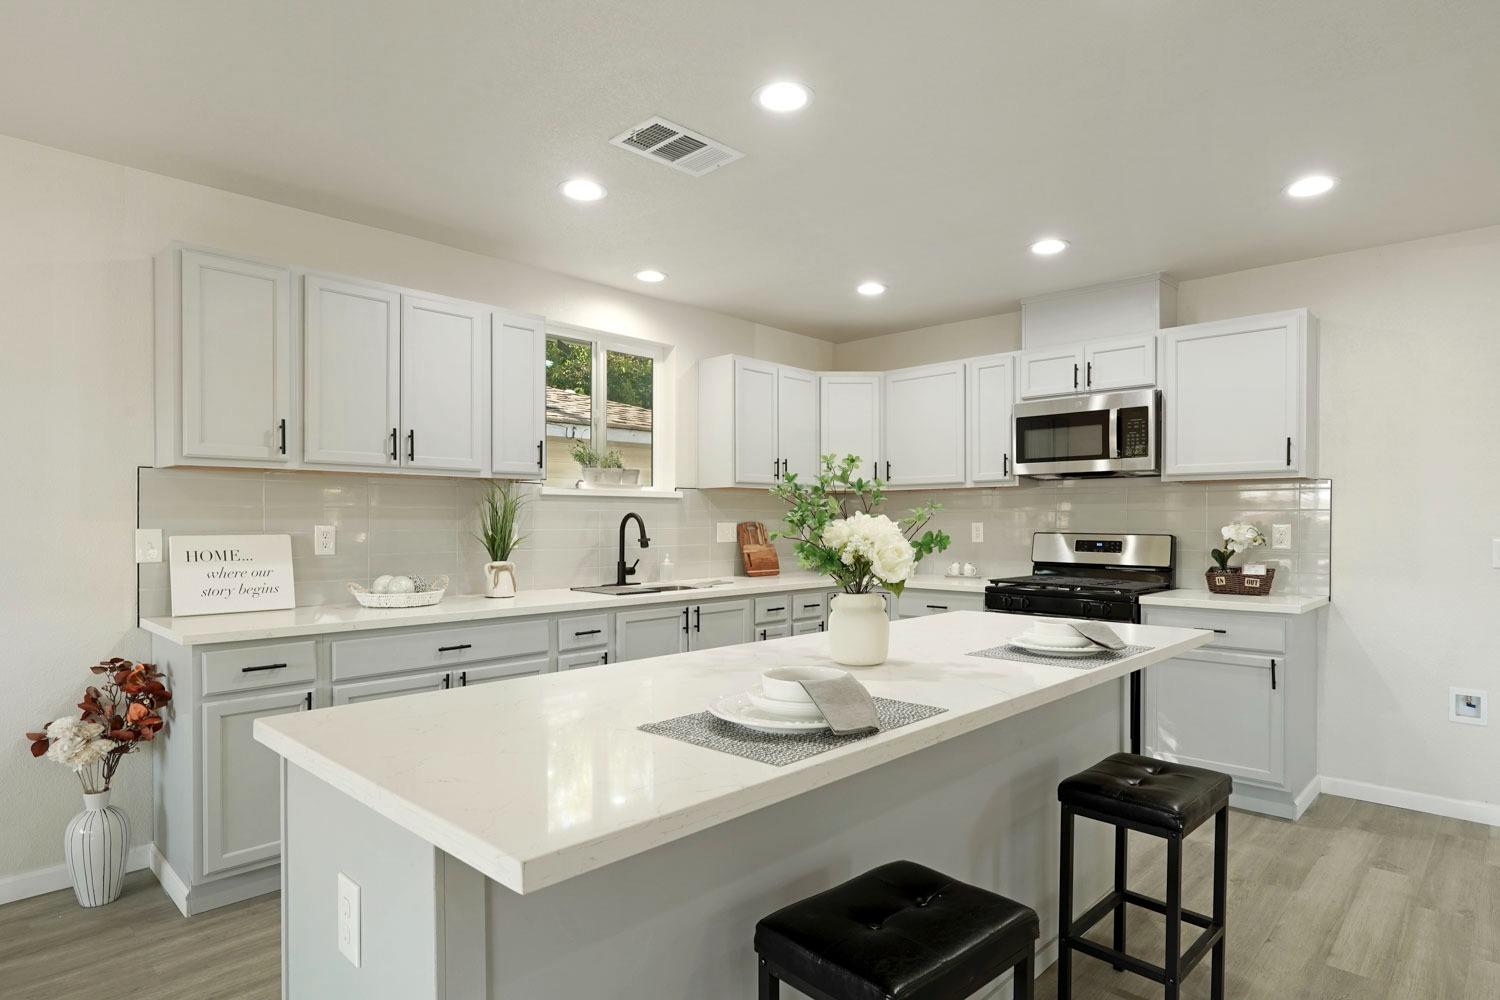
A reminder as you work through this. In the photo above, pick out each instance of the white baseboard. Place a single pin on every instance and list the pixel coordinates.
(171, 883)
(44, 880)
(1438, 805)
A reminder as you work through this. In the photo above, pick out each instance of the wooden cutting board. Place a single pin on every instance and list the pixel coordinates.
(756, 550)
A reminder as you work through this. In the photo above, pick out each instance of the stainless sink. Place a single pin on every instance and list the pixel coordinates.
(616, 590)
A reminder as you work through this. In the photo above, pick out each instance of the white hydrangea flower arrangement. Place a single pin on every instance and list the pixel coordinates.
(1239, 536)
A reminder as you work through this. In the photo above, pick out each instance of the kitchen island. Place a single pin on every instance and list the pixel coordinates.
(526, 840)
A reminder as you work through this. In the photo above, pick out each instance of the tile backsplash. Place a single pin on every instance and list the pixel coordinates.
(390, 524)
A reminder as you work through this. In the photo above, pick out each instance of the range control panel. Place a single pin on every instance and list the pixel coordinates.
(1098, 545)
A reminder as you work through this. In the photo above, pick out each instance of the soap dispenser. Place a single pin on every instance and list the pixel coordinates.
(667, 571)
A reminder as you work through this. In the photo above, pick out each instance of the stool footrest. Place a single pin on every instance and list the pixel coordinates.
(1211, 935)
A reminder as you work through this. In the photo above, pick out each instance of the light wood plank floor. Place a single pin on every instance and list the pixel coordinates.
(1355, 902)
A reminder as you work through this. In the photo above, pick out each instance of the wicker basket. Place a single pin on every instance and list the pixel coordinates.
(1236, 581)
(427, 593)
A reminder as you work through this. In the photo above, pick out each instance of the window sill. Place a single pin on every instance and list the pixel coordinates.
(648, 492)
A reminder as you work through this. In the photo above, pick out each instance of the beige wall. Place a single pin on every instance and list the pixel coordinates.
(77, 237)
(968, 338)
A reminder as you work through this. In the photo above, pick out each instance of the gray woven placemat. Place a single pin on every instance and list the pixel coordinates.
(704, 730)
(1099, 659)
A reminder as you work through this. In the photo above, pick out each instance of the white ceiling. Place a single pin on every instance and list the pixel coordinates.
(944, 137)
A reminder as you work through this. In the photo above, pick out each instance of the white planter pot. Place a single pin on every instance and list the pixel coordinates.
(94, 845)
(590, 474)
(500, 579)
(630, 477)
(859, 630)
(611, 477)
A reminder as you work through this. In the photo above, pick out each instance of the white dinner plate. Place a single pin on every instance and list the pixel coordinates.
(784, 709)
(740, 710)
(1032, 646)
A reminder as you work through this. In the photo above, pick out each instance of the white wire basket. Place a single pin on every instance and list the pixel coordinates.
(428, 592)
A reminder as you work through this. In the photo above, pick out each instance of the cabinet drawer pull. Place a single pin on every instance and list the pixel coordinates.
(783, 608)
(590, 631)
(463, 679)
(604, 659)
(937, 607)
(762, 633)
(307, 700)
(449, 649)
(1221, 631)
(447, 681)
(263, 666)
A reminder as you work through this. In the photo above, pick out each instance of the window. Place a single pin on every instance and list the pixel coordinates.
(601, 408)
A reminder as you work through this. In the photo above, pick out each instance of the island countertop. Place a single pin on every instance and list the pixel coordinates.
(538, 779)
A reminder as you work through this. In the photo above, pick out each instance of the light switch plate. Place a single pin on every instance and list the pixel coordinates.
(725, 531)
(976, 531)
(349, 919)
(323, 539)
(1281, 536)
(148, 545)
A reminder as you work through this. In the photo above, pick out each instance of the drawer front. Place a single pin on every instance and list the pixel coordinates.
(807, 628)
(808, 605)
(439, 648)
(248, 668)
(916, 603)
(577, 661)
(1232, 629)
(582, 631)
(770, 610)
(485, 673)
(763, 632)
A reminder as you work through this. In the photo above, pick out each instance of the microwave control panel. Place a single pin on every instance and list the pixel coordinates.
(1135, 432)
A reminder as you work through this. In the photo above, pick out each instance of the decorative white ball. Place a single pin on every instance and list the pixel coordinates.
(381, 585)
(400, 585)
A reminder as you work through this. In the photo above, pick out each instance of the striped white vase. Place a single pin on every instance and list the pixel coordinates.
(95, 844)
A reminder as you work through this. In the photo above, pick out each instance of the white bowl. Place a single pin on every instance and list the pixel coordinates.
(785, 683)
(784, 709)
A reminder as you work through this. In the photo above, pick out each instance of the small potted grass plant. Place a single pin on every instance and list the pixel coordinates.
(499, 533)
(588, 461)
(611, 468)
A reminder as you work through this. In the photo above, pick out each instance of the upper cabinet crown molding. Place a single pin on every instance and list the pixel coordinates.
(1261, 420)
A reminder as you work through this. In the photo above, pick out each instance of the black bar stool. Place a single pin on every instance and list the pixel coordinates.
(1165, 800)
(897, 932)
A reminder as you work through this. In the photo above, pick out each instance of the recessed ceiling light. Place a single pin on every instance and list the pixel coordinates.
(1311, 186)
(1049, 246)
(870, 288)
(583, 189)
(783, 96)
(650, 275)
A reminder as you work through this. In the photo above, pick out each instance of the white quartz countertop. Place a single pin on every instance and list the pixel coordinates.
(539, 779)
(323, 619)
(1273, 604)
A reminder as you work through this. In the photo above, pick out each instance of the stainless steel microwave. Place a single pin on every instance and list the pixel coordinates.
(1105, 434)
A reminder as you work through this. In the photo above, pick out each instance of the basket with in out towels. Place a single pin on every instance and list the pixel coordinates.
(400, 591)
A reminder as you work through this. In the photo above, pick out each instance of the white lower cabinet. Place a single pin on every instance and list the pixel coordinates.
(724, 623)
(654, 631)
(1244, 705)
(241, 780)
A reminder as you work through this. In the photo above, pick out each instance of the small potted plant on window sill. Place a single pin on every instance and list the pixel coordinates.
(611, 469)
(588, 462)
(1239, 537)
(499, 533)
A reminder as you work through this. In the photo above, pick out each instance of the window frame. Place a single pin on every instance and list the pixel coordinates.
(663, 467)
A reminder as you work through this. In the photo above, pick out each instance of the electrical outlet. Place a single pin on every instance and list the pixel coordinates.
(1281, 536)
(1468, 706)
(148, 545)
(323, 539)
(726, 531)
(976, 531)
(348, 904)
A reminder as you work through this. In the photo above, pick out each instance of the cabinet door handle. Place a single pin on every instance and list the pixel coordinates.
(604, 659)
(887, 471)
(589, 631)
(263, 666)
(449, 649)
(411, 446)
(1005, 464)
(875, 473)
(820, 626)
(307, 700)
(447, 681)
(283, 435)
(1273, 675)
(1090, 373)
(684, 621)
(540, 460)
(1288, 453)
(762, 633)
(394, 456)
(698, 619)
(1075, 375)
(463, 679)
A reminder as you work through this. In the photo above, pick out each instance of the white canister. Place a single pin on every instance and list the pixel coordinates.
(859, 629)
(500, 579)
(95, 844)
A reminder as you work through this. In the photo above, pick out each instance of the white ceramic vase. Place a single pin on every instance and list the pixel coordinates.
(94, 845)
(859, 630)
(499, 579)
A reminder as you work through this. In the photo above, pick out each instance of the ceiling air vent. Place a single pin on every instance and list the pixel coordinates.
(679, 148)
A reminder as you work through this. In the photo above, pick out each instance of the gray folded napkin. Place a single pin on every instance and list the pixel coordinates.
(845, 704)
(1100, 634)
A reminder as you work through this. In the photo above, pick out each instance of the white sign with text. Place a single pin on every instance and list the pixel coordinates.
(214, 574)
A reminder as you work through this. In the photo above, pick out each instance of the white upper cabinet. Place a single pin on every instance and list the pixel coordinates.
(1053, 371)
(236, 361)
(756, 456)
(352, 373)
(1240, 398)
(850, 423)
(991, 428)
(518, 349)
(444, 370)
(1120, 363)
(924, 426)
(797, 422)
